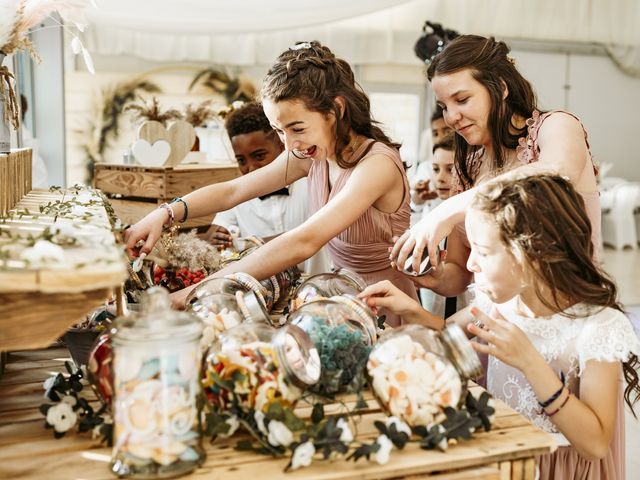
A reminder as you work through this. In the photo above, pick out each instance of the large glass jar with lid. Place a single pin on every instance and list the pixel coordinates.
(416, 372)
(325, 285)
(343, 329)
(222, 311)
(156, 378)
(253, 365)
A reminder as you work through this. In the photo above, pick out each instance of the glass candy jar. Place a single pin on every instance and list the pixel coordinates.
(343, 329)
(325, 285)
(156, 378)
(416, 372)
(222, 311)
(252, 366)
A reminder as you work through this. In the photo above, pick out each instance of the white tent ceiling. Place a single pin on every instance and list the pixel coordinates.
(250, 32)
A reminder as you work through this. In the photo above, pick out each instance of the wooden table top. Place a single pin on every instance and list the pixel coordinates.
(28, 451)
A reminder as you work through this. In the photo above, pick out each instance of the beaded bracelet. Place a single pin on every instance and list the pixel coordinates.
(555, 396)
(186, 208)
(167, 207)
(560, 407)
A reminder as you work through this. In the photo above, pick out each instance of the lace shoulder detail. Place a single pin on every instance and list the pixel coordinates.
(527, 150)
(608, 336)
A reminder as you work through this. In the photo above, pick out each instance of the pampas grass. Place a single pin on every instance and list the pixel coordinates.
(152, 111)
(187, 250)
(198, 115)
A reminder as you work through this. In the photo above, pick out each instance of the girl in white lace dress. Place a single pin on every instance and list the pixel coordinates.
(544, 311)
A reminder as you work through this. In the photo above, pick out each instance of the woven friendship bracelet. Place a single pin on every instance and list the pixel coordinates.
(167, 207)
(186, 208)
(560, 407)
(555, 396)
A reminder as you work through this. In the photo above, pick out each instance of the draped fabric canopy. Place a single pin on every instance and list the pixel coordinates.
(254, 32)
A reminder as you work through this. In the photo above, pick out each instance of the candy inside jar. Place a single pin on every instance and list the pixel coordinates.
(156, 377)
(343, 330)
(415, 372)
(326, 285)
(253, 366)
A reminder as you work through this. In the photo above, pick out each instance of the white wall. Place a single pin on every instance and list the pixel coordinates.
(589, 85)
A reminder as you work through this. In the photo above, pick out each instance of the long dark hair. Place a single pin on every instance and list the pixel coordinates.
(312, 73)
(490, 65)
(543, 220)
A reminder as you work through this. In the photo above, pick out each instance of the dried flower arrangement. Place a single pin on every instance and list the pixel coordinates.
(232, 88)
(199, 114)
(187, 250)
(152, 111)
(17, 18)
(104, 121)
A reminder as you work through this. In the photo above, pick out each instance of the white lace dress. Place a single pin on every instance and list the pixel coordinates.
(566, 344)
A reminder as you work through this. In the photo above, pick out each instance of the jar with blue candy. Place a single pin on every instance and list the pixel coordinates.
(343, 330)
(156, 381)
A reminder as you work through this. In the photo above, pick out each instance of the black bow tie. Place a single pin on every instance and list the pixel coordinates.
(282, 191)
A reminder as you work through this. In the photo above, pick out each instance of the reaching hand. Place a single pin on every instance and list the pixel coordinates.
(427, 233)
(179, 298)
(424, 191)
(148, 229)
(505, 341)
(385, 294)
(219, 237)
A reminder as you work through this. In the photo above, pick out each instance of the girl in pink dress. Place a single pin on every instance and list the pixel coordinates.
(559, 345)
(493, 110)
(359, 194)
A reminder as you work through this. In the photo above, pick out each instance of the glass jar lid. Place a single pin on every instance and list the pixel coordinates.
(461, 351)
(157, 321)
(366, 319)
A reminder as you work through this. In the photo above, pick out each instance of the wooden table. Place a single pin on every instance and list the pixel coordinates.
(28, 451)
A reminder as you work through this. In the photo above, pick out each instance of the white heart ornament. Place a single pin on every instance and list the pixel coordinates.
(153, 155)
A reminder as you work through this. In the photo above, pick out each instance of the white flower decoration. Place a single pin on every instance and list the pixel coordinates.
(234, 424)
(279, 434)
(346, 435)
(48, 383)
(69, 400)
(259, 418)
(61, 417)
(400, 425)
(43, 251)
(303, 455)
(384, 452)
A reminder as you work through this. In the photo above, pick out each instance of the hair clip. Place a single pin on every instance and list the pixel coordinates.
(511, 60)
(300, 46)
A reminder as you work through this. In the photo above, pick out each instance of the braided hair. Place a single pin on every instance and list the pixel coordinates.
(310, 72)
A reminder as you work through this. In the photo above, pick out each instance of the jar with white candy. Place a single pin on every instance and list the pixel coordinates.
(156, 379)
(416, 372)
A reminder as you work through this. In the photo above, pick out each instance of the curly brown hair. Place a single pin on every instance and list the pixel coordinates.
(543, 220)
(312, 73)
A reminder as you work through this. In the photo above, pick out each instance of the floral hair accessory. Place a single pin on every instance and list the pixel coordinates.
(300, 46)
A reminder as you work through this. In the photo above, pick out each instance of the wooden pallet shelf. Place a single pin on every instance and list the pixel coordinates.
(38, 302)
(28, 451)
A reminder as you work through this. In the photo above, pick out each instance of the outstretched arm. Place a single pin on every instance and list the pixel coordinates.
(216, 198)
(372, 179)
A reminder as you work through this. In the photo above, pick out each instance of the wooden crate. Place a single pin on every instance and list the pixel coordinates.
(29, 451)
(136, 190)
(15, 178)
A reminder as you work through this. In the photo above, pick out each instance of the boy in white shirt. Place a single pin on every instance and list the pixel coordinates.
(442, 164)
(255, 144)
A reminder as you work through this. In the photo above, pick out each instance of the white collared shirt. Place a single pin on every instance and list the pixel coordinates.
(272, 216)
